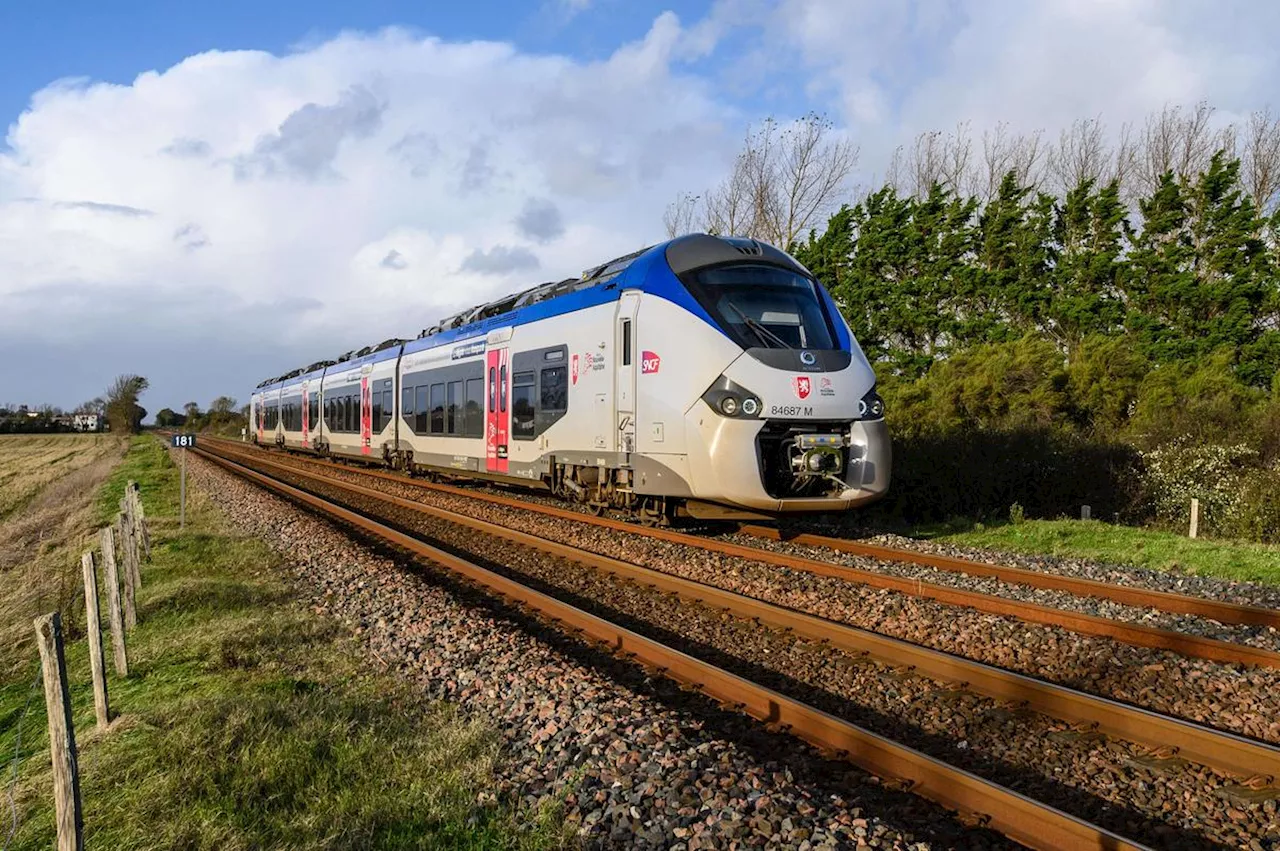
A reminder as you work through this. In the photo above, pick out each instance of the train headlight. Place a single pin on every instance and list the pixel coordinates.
(729, 399)
(871, 406)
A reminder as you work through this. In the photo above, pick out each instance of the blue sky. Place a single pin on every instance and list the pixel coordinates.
(113, 42)
(211, 194)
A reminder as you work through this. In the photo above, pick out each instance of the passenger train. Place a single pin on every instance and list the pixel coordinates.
(707, 376)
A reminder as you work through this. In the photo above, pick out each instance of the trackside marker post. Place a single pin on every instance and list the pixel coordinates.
(183, 441)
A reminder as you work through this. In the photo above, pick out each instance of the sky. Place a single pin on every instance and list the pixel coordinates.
(213, 194)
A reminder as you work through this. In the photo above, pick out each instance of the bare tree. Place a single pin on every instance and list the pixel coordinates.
(1004, 152)
(784, 182)
(681, 215)
(1260, 160)
(1179, 141)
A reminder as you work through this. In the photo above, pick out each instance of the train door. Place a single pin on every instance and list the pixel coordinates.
(366, 413)
(625, 373)
(497, 408)
(306, 416)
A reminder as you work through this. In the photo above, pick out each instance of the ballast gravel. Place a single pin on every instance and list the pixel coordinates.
(1243, 700)
(1167, 805)
(635, 761)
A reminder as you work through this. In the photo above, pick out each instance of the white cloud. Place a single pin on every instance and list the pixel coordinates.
(336, 196)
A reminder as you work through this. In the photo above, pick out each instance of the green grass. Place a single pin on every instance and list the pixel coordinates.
(248, 722)
(1095, 540)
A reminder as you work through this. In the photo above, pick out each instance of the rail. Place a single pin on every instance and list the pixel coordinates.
(1022, 819)
(1218, 749)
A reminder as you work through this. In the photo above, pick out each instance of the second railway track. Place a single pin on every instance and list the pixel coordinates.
(1159, 736)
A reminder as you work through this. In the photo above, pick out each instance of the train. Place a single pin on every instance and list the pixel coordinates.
(707, 376)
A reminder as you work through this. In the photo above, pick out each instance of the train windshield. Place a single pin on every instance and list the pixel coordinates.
(764, 307)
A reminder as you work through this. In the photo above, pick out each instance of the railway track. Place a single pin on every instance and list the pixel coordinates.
(982, 801)
(1138, 635)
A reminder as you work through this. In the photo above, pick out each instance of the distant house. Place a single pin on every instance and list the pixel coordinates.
(86, 422)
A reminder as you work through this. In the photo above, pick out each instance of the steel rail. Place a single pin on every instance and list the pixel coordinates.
(1138, 635)
(1032, 823)
(1224, 751)
(1167, 601)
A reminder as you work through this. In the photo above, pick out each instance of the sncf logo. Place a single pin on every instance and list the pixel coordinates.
(803, 385)
(649, 362)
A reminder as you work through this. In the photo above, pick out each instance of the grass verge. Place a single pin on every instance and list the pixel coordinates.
(1098, 541)
(248, 722)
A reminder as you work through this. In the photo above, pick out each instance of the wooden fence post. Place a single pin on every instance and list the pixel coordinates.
(62, 735)
(1195, 517)
(113, 600)
(93, 625)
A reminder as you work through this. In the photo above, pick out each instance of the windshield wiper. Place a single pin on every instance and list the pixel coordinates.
(762, 332)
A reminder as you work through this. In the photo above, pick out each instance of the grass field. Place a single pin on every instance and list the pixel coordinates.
(1098, 541)
(29, 462)
(247, 722)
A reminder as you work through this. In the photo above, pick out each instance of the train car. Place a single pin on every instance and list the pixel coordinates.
(358, 403)
(705, 376)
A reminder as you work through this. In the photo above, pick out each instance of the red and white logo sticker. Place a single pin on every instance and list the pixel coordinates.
(573, 369)
(649, 362)
(803, 385)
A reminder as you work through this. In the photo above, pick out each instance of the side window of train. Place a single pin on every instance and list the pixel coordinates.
(493, 384)
(626, 342)
(420, 405)
(437, 409)
(502, 389)
(387, 410)
(555, 390)
(377, 412)
(453, 414)
(406, 404)
(523, 413)
(475, 408)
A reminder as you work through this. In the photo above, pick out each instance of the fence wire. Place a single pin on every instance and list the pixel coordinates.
(12, 791)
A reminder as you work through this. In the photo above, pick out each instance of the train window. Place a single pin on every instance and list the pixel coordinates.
(555, 390)
(475, 408)
(522, 410)
(420, 400)
(502, 389)
(377, 412)
(387, 411)
(626, 342)
(453, 415)
(437, 409)
(493, 384)
(313, 412)
(406, 404)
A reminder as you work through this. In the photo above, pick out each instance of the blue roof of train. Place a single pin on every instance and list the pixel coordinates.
(645, 270)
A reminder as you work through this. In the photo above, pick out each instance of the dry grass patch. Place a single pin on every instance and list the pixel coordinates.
(30, 462)
(41, 541)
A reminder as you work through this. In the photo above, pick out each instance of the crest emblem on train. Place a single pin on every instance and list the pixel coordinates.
(573, 369)
(803, 385)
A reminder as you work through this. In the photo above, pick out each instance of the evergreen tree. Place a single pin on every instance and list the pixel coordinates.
(1085, 298)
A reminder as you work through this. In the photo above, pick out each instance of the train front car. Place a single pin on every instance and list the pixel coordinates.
(785, 417)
